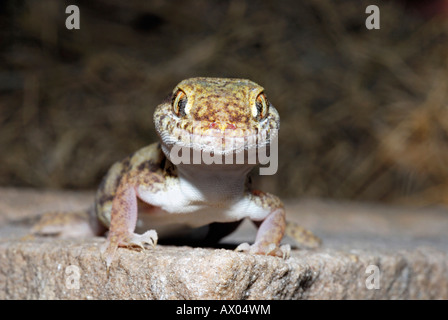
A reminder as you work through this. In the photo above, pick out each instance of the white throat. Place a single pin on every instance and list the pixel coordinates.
(214, 183)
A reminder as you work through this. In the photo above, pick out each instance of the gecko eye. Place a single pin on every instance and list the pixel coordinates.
(179, 102)
(262, 105)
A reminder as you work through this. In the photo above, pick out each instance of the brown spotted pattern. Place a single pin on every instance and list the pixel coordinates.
(265, 200)
(148, 166)
(302, 235)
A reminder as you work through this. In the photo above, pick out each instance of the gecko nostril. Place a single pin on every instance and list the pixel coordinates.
(231, 126)
(213, 125)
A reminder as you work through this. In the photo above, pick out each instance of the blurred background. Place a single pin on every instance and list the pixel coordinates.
(364, 112)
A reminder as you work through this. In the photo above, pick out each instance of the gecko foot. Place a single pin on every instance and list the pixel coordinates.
(272, 249)
(114, 241)
(149, 237)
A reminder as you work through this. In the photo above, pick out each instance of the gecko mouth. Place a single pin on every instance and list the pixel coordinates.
(219, 142)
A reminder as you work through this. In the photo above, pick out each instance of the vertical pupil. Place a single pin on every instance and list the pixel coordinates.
(261, 105)
(182, 102)
(179, 103)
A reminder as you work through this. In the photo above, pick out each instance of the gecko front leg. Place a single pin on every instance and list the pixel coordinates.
(270, 230)
(123, 221)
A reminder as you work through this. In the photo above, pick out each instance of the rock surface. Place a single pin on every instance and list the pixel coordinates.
(408, 248)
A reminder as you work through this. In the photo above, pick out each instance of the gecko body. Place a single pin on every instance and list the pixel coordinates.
(194, 175)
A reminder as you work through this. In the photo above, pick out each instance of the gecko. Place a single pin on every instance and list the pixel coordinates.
(181, 183)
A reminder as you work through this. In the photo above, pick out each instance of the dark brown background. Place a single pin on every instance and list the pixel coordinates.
(364, 113)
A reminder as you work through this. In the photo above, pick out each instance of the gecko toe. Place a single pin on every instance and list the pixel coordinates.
(286, 251)
(149, 237)
(244, 247)
(267, 250)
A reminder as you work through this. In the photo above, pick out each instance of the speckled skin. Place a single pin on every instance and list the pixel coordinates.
(230, 117)
(216, 106)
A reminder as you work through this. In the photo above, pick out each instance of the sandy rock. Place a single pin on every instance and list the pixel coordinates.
(409, 249)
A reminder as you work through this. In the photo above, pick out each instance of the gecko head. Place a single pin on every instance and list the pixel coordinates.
(217, 115)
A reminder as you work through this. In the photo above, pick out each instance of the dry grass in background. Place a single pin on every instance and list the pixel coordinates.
(364, 113)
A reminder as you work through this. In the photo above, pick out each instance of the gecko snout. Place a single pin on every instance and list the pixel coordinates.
(222, 126)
